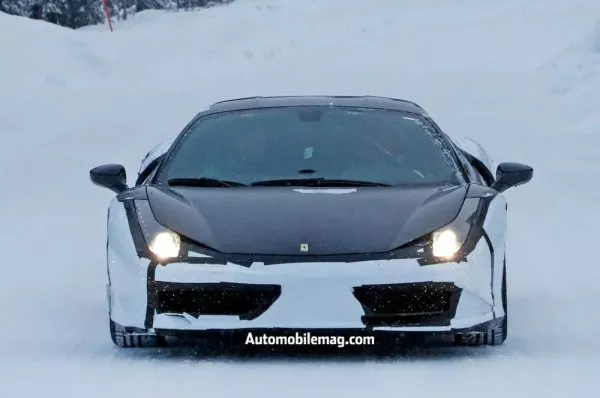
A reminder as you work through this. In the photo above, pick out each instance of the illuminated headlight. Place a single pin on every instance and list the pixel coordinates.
(165, 245)
(445, 243)
(455, 240)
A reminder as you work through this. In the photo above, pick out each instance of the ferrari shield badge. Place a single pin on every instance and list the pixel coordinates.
(304, 247)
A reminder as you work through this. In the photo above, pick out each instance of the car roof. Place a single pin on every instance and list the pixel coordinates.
(317, 100)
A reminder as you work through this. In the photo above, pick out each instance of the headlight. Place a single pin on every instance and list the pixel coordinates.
(448, 241)
(165, 245)
(159, 243)
(445, 243)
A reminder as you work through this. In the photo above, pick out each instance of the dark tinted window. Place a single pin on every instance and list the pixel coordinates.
(302, 142)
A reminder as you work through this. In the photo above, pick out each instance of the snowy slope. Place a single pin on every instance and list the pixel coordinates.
(520, 76)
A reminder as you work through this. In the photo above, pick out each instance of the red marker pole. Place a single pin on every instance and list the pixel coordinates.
(107, 12)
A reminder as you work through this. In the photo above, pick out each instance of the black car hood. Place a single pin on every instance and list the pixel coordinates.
(277, 220)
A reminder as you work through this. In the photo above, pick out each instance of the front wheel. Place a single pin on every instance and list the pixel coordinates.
(496, 335)
(121, 338)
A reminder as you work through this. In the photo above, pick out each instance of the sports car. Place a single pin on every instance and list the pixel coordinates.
(309, 213)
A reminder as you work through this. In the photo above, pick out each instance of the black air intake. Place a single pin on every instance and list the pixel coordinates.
(408, 304)
(248, 301)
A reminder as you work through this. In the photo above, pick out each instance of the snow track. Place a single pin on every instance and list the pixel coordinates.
(520, 76)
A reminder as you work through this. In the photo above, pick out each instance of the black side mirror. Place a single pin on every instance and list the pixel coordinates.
(111, 176)
(510, 175)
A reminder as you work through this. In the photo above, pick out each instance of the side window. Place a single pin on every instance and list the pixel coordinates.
(479, 177)
(148, 171)
(474, 172)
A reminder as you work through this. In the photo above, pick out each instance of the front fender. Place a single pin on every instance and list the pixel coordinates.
(127, 271)
(495, 229)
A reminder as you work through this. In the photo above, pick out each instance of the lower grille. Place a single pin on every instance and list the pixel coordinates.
(248, 301)
(408, 304)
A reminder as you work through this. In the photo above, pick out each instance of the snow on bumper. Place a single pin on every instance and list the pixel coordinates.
(325, 295)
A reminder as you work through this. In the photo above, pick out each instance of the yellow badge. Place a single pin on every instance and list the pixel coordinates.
(304, 247)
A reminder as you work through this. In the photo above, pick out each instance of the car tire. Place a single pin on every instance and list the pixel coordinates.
(124, 339)
(495, 335)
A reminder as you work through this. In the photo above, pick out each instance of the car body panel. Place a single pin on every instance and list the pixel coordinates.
(277, 220)
(127, 272)
(314, 295)
(495, 228)
(374, 102)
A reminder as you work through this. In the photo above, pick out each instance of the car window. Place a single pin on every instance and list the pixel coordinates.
(148, 171)
(479, 177)
(380, 146)
(471, 169)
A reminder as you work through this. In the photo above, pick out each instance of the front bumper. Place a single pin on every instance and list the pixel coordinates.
(388, 295)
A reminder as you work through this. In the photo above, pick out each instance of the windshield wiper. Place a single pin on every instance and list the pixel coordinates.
(318, 182)
(203, 182)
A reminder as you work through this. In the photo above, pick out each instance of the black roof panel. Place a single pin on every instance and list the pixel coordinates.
(322, 100)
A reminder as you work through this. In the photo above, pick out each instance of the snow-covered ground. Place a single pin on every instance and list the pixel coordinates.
(520, 76)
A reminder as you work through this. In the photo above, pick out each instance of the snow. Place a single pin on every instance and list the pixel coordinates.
(519, 76)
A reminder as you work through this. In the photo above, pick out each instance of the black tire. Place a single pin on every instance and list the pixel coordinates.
(124, 339)
(504, 305)
(495, 335)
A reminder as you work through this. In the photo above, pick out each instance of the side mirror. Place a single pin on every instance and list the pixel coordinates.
(510, 175)
(111, 176)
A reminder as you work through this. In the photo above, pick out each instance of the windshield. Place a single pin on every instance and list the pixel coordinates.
(288, 143)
